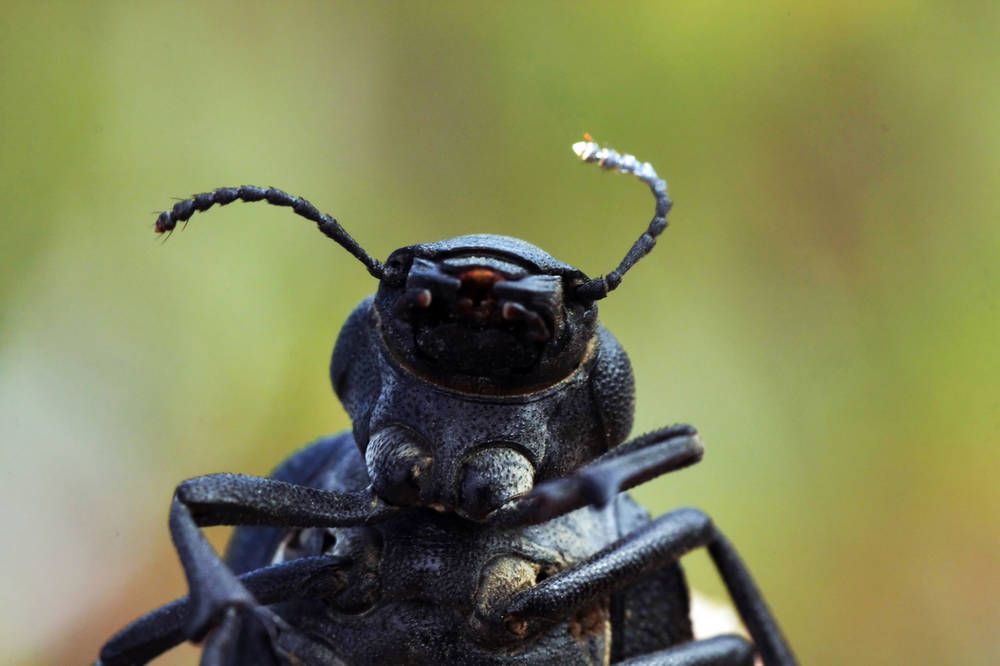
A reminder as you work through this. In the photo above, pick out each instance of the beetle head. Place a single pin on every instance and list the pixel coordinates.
(484, 312)
(491, 312)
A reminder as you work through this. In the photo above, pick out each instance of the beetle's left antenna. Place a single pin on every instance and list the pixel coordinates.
(183, 210)
(607, 158)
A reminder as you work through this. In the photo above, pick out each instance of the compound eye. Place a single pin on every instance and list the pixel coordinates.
(491, 477)
(399, 466)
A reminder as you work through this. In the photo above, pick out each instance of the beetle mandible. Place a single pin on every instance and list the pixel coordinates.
(450, 524)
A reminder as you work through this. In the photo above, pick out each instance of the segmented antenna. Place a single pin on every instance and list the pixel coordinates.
(607, 158)
(183, 210)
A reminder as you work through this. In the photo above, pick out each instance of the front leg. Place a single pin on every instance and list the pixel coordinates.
(230, 498)
(221, 607)
(627, 561)
(728, 650)
(162, 629)
(634, 462)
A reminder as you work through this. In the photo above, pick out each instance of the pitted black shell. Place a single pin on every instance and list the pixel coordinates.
(557, 428)
(435, 575)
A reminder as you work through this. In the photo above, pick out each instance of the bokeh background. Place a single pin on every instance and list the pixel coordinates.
(825, 305)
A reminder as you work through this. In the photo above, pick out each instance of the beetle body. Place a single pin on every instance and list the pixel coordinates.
(427, 579)
(452, 523)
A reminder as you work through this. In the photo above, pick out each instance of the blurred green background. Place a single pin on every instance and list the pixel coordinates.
(825, 306)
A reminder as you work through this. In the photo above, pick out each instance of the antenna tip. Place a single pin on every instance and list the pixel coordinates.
(585, 150)
(163, 223)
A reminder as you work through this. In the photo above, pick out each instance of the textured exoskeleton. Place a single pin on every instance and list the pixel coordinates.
(463, 440)
(474, 514)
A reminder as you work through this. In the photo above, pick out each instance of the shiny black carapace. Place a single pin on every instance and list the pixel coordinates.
(475, 512)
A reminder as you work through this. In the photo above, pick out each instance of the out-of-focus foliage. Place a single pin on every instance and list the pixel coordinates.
(825, 306)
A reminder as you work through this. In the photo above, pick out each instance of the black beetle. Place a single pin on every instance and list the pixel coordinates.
(489, 409)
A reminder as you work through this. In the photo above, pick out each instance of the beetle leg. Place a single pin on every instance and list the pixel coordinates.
(214, 588)
(258, 637)
(241, 638)
(227, 499)
(655, 545)
(597, 483)
(163, 628)
(728, 650)
(230, 498)
(237, 499)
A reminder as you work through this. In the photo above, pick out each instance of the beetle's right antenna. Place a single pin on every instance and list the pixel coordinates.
(607, 158)
(183, 210)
